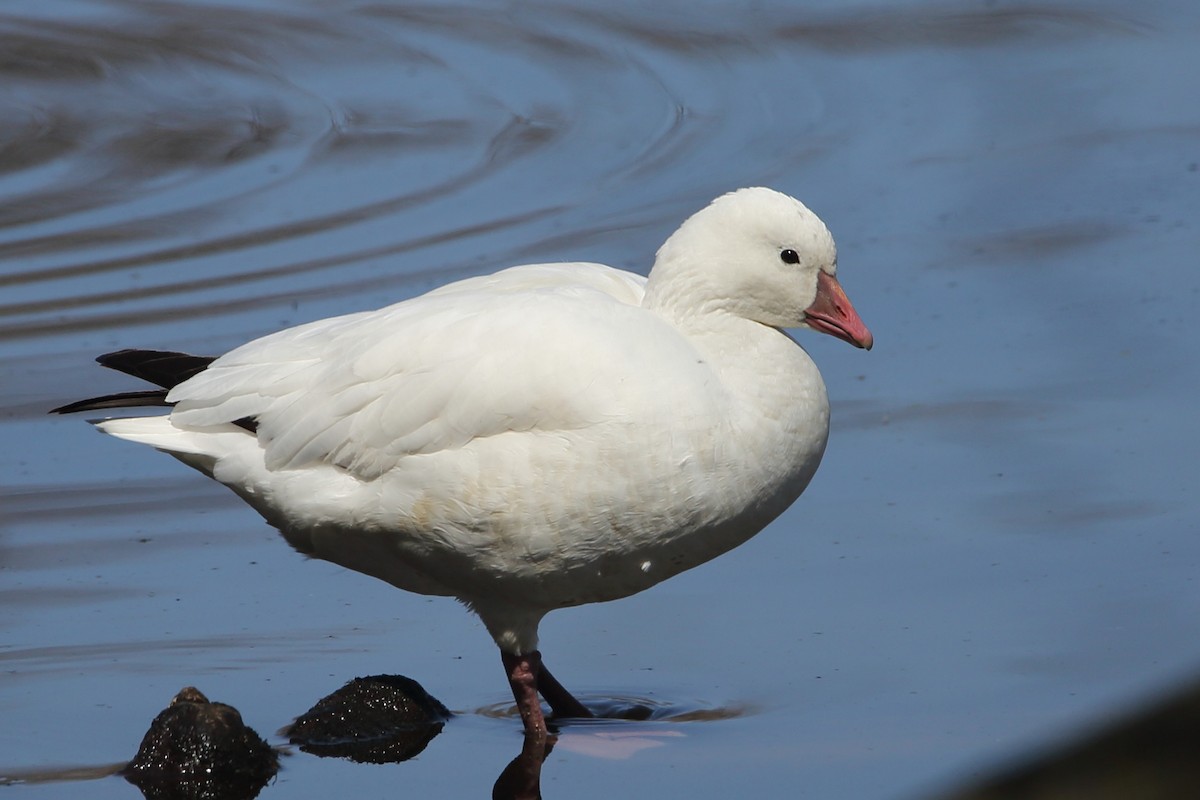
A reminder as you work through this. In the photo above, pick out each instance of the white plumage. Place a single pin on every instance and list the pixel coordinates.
(546, 436)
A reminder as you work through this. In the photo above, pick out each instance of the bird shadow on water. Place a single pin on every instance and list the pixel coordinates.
(196, 748)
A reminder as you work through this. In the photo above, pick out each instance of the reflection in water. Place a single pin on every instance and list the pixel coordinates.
(614, 732)
(391, 719)
(1150, 754)
(629, 708)
(522, 778)
(380, 719)
(196, 748)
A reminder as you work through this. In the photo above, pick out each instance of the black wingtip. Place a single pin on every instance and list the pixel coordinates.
(153, 397)
(164, 368)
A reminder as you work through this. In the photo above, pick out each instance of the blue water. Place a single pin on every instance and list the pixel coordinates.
(1000, 549)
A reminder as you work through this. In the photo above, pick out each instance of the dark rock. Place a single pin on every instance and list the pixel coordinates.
(1151, 754)
(378, 719)
(199, 749)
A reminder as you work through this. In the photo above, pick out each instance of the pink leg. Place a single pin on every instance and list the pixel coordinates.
(562, 701)
(527, 675)
(523, 678)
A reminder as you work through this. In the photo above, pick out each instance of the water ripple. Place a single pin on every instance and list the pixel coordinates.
(163, 164)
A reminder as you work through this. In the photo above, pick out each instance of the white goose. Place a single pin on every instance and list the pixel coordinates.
(542, 437)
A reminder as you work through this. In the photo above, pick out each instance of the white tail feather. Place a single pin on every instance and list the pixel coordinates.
(198, 448)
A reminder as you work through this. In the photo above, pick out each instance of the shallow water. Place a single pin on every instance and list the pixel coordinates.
(1000, 546)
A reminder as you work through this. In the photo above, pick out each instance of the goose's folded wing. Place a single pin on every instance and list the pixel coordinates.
(435, 373)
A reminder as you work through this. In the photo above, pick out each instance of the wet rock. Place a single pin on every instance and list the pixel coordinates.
(196, 748)
(378, 719)
(1151, 754)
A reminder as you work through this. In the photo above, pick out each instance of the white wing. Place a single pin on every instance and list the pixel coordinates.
(530, 348)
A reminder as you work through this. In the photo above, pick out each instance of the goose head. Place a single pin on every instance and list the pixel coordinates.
(758, 254)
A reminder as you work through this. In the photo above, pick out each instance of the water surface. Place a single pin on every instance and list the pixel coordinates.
(999, 548)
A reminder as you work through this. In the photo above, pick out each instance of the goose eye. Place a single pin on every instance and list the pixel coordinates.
(789, 257)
